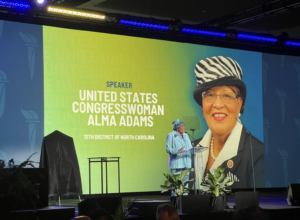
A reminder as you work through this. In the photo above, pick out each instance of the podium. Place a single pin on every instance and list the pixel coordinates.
(196, 153)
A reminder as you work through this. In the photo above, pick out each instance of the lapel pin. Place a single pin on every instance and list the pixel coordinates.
(229, 163)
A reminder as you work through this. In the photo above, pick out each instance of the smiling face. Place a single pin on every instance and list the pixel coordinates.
(221, 117)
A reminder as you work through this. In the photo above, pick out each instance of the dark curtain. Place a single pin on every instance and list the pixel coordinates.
(59, 157)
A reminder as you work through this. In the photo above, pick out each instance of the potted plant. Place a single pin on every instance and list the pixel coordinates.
(123, 211)
(216, 184)
(16, 187)
(174, 184)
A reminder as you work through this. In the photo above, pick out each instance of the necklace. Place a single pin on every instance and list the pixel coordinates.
(212, 148)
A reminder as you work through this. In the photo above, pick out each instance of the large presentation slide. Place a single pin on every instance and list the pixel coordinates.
(117, 96)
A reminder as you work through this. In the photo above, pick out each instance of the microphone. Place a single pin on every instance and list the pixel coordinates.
(190, 136)
(251, 150)
(193, 141)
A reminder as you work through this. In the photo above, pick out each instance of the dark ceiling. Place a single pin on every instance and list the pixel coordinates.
(257, 16)
(279, 18)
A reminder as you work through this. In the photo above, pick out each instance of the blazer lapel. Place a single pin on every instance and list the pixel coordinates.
(179, 140)
(232, 164)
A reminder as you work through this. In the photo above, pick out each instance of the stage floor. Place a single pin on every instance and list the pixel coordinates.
(273, 200)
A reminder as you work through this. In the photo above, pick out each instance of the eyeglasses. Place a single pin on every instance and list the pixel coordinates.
(225, 97)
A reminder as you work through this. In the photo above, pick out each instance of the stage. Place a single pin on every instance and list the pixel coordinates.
(46, 213)
(273, 201)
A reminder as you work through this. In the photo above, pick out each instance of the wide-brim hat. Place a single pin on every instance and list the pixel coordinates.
(218, 71)
(177, 123)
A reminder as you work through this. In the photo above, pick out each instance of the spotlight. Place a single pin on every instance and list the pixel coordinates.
(41, 3)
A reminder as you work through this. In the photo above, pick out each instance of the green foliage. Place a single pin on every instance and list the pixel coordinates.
(15, 185)
(122, 210)
(175, 184)
(216, 183)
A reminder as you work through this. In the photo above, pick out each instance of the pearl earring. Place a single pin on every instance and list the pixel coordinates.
(240, 114)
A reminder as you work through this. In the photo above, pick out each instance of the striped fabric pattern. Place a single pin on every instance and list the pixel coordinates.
(217, 67)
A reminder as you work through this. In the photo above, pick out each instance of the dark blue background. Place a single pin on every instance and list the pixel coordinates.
(281, 106)
(18, 43)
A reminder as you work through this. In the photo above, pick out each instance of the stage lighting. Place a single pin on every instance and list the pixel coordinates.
(258, 38)
(145, 25)
(41, 3)
(291, 43)
(204, 32)
(15, 4)
(75, 13)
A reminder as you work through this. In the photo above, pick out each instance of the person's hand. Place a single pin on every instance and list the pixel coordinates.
(181, 150)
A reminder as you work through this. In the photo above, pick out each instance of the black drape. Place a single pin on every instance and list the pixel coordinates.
(59, 157)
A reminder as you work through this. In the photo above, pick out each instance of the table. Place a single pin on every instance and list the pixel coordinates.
(103, 160)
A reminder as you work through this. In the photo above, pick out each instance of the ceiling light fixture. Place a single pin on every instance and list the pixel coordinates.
(75, 13)
(292, 43)
(14, 4)
(204, 32)
(257, 38)
(145, 25)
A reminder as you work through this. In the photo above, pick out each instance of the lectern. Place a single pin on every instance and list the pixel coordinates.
(196, 153)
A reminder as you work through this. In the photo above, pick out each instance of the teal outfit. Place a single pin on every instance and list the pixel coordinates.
(179, 162)
(174, 143)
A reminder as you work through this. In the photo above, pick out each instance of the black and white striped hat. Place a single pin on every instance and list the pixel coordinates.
(218, 71)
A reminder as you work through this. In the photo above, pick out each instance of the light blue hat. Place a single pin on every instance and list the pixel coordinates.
(177, 123)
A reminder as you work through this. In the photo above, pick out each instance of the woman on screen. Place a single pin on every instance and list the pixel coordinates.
(178, 144)
(221, 93)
